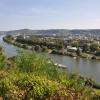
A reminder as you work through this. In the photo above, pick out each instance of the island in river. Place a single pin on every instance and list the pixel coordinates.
(76, 48)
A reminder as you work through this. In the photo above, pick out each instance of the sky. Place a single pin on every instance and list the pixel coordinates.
(49, 14)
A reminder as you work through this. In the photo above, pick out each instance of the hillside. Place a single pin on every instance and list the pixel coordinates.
(29, 76)
(2, 32)
(59, 32)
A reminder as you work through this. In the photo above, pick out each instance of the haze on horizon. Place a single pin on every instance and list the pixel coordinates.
(49, 14)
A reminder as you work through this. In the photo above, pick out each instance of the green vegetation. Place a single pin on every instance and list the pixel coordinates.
(31, 76)
(57, 45)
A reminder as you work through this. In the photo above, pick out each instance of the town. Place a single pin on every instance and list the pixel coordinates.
(75, 45)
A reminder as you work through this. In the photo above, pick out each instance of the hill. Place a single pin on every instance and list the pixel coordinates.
(59, 32)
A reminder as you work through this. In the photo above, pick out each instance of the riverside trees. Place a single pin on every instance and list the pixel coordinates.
(56, 44)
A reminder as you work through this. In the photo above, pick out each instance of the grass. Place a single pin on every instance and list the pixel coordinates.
(29, 76)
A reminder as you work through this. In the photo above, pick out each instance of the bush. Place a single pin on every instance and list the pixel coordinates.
(93, 57)
(26, 86)
(35, 77)
(97, 54)
(69, 54)
(37, 63)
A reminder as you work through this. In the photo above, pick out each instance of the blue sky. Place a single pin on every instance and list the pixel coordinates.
(47, 14)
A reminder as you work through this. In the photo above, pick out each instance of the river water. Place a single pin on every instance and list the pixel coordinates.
(88, 68)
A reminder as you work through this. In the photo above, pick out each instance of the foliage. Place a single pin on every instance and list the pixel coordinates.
(34, 76)
(86, 47)
(56, 45)
(2, 58)
(94, 47)
(78, 52)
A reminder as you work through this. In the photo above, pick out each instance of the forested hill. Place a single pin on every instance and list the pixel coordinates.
(54, 31)
(2, 32)
(41, 32)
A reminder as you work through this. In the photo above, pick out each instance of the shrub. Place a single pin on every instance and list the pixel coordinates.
(38, 64)
(33, 77)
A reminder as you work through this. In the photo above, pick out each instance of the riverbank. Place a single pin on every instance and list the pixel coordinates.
(72, 61)
(28, 70)
(56, 64)
(87, 68)
(30, 76)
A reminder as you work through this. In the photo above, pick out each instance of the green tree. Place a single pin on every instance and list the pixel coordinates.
(86, 47)
(44, 49)
(37, 48)
(2, 58)
(94, 47)
(78, 52)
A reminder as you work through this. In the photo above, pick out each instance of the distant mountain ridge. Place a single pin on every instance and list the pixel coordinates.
(2, 32)
(53, 31)
(42, 32)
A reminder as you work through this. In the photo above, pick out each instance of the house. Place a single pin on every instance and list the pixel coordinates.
(71, 49)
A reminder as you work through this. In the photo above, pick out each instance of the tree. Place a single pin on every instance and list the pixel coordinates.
(2, 58)
(44, 49)
(86, 47)
(24, 46)
(78, 52)
(9, 37)
(37, 48)
(94, 47)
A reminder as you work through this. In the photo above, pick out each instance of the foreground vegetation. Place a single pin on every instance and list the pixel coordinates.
(31, 76)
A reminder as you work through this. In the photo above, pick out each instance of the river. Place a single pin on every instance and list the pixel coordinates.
(88, 68)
